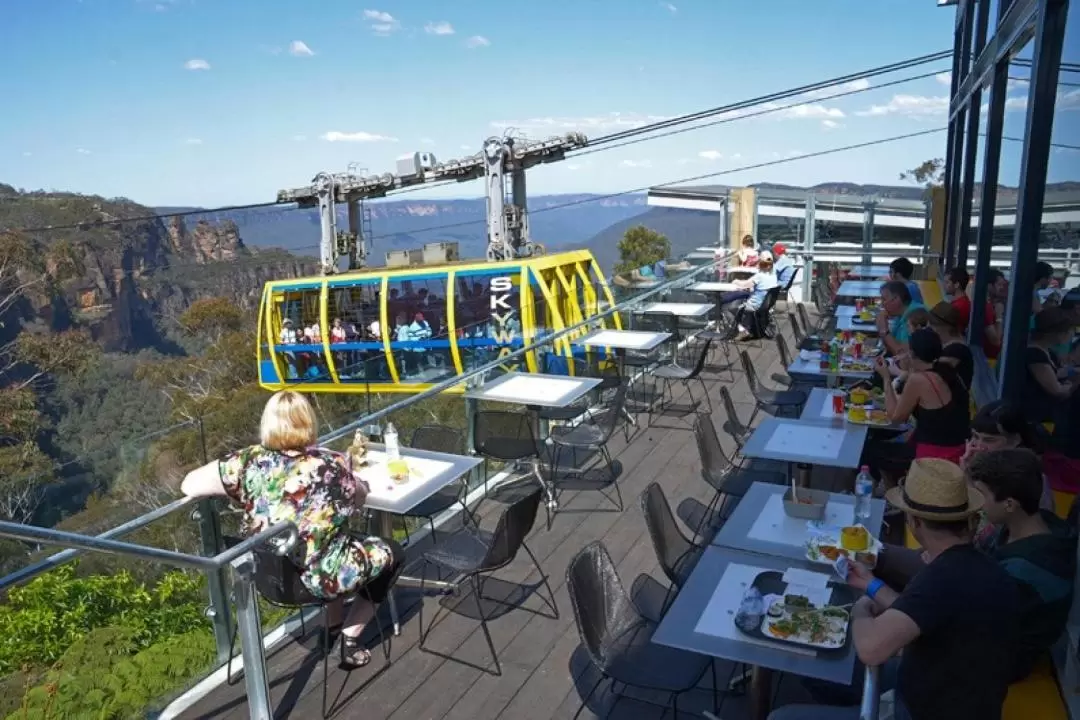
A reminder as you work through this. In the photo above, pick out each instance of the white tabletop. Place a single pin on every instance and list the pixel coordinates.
(707, 287)
(798, 441)
(696, 255)
(625, 339)
(429, 472)
(535, 389)
(680, 309)
(738, 270)
(844, 311)
(860, 288)
(870, 272)
(809, 363)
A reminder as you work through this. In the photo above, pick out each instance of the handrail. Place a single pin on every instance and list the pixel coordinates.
(29, 572)
(32, 533)
(871, 694)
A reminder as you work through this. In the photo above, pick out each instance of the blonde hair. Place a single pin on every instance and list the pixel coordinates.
(288, 422)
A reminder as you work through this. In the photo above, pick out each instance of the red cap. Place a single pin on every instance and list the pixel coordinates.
(779, 249)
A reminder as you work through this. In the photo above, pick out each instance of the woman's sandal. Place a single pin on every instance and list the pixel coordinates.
(353, 654)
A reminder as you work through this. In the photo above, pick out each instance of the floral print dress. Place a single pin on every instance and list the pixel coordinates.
(314, 489)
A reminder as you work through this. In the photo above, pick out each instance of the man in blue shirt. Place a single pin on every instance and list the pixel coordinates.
(896, 306)
(783, 266)
(901, 269)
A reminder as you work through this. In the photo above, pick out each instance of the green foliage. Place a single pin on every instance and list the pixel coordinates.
(211, 318)
(43, 619)
(929, 174)
(641, 246)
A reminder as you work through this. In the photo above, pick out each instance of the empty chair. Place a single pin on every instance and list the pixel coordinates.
(717, 469)
(508, 437)
(734, 427)
(676, 553)
(766, 398)
(440, 438)
(592, 436)
(811, 328)
(617, 639)
(785, 361)
(470, 552)
(797, 334)
(674, 373)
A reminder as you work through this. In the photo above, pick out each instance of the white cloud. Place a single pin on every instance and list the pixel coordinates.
(477, 41)
(82, 151)
(193, 141)
(917, 106)
(852, 86)
(382, 22)
(830, 124)
(944, 78)
(710, 154)
(439, 28)
(426, 141)
(463, 146)
(810, 111)
(358, 137)
(636, 163)
(669, 7)
(27, 154)
(299, 138)
(196, 64)
(299, 48)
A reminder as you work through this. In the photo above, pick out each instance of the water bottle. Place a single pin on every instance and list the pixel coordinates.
(751, 611)
(864, 491)
(390, 440)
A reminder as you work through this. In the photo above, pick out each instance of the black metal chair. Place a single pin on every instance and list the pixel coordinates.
(766, 398)
(811, 327)
(471, 552)
(759, 322)
(618, 640)
(277, 580)
(508, 437)
(785, 360)
(725, 477)
(675, 373)
(589, 437)
(733, 426)
(676, 554)
(440, 438)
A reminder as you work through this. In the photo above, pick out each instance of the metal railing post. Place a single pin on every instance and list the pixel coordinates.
(249, 627)
(211, 543)
(871, 695)
(809, 235)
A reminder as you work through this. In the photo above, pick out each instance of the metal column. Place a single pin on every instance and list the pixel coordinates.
(211, 543)
(809, 236)
(1049, 37)
(868, 232)
(328, 223)
(249, 628)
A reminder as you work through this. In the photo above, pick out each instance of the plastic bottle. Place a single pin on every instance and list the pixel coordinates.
(390, 440)
(864, 491)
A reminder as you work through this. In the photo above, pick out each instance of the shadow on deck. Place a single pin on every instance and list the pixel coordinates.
(545, 672)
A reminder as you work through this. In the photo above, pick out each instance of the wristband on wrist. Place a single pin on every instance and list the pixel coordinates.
(875, 585)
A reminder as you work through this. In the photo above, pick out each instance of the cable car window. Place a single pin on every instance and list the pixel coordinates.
(356, 339)
(298, 334)
(487, 314)
(416, 309)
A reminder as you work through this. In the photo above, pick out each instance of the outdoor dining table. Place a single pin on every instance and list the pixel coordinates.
(847, 322)
(812, 443)
(859, 289)
(701, 620)
(714, 287)
(808, 364)
(620, 341)
(819, 408)
(535, 389)
(759, 524)
(676, 308)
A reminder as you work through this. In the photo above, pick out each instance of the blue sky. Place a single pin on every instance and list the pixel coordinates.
(211, 102)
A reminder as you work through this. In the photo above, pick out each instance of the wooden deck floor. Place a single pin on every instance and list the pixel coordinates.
(544, 671)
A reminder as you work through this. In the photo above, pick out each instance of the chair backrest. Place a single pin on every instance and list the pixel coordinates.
(734, 424)
(437, 438)
(782, 348)
(515, 524)
(699, 365)
(714, 461)
(277, 577)
(791, 279)
(805, 317)
(613, 413)
(603, 611)
(771, 297)
(503, 435)
(748, 368)
(796, 331)
(668, 541)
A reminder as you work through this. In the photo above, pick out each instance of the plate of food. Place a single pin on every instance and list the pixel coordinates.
(854, 542)
(852, 365)
(867, 415)
(793, 618)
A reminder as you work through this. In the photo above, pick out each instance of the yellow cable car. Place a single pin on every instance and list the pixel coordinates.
(404, 329)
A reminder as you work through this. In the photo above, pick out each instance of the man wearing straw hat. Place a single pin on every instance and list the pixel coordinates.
(955, 621)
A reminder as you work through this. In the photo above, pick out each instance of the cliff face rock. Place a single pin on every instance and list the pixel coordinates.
(128, 275)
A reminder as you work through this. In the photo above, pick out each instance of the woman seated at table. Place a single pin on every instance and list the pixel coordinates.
(286, 477)
(752, 292)
(945, 320)
(934, 396)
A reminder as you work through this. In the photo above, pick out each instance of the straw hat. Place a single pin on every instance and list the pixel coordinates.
(936, 490)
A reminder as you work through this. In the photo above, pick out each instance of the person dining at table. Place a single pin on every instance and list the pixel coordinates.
(1050, 384)
(945, 320)
(1000, 425)
(286, 477)
(751, 293)
(955, 621)
(896, 306)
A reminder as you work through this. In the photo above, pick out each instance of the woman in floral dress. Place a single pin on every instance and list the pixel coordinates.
(287, 478)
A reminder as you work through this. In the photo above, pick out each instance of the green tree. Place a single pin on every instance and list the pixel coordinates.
(929, 174)
(641, 246)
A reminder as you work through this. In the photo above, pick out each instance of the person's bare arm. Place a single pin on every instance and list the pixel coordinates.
(878, 637)
(204, 481)
(1047, 378)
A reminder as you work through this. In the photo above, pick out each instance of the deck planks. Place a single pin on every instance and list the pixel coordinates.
(543, 673)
